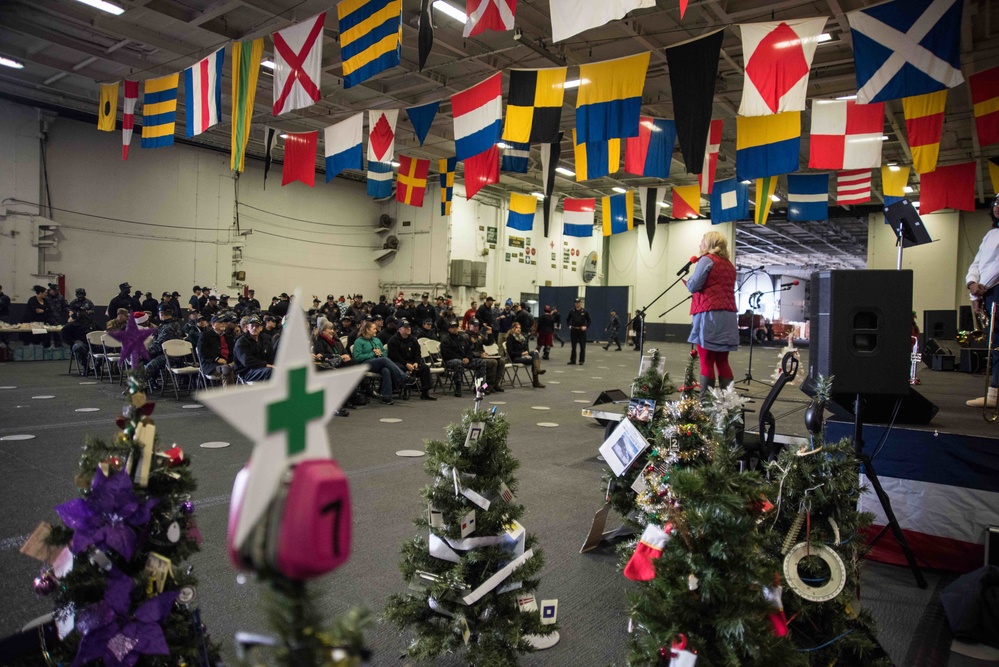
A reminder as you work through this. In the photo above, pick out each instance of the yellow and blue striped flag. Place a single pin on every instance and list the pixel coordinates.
(159, 111)
(522, 209)
(609, 102)
(596, 158)
(767, 145)
(370, 37)
(618, 213)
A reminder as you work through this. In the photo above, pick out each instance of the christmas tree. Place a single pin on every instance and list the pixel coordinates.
(117, 564)
(816, 530)
(706, 576)
(472, 581)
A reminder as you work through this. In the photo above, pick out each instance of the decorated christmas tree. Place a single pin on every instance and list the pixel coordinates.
(116, 566)
(472, 579)
(816, 532)
(705, 575)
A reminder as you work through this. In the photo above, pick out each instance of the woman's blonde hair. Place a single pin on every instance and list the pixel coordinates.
(716, 244)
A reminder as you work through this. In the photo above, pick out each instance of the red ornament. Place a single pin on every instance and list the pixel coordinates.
(175, 456)
(147, 409)
(693, 354)
(121, 422)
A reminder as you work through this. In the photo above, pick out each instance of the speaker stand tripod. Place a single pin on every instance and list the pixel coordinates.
(754, 303)
(872, 476)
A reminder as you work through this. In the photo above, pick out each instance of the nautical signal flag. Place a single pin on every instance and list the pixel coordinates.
(245, 69)
(893, 182)
(478, 114)
(651, 152)
(422, 117)
(203, 93)
(159, 111)
(767, 145)
(571, 17)
(985, 98)
(778, 57)
(522, 209)
(298, 64)
(379, 180)
(344, 145)
(596, 158)
(447, 168)
(904, 48)
(729, 201)
(107, 113)
(534, 105)
(707, 176)
(481, 170)
(618, 212)
(411, 184)
(765, 189)
(128, 116)
(807, 197)
(381, 134)
(693, 70)
(425, 38)
(993, 163)
(952, 186)
(300, 158)
(853, 186)
(488, 15)
(270, 141)
(686, 201)
(846, 135)
(577, 218)
(924, 116)
(609, 100)
(651, 199)
(516, 157)
(370, 37)
(551, 153)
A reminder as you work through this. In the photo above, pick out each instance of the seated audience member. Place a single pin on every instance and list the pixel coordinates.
(252, 305)
(519, 349)
(368, 350)
(191, 330)
(327, 350)
(84, 306)
(330, 310)
(271, 327)
(212, 307)
(495, 366)
(456, 351)
(352, 336)
(386, 333)
(74, 334)
(216, 350)
(346, 326)
(426, 330)
(404, 350)
(119, 321)
(254, 360)
(169, 329)
(313, 313)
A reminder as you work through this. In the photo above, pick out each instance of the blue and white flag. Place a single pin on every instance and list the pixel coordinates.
(905, 48)
(422, 117)
(729, 201)
(807, 197)
(380, 179)
(344, 143)
(516, 157)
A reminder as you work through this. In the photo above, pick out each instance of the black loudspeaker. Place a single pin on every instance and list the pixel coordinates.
(861, 327)
(940, 324)
(965, 319)
(939, 354)
(915, 408)
(610, 395)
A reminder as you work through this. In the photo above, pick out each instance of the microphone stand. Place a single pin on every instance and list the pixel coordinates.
(754, 303)
(641, 317)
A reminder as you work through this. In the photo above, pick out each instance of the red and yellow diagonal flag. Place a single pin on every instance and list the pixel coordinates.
(924, 115)
(687, 201)
(411, 184)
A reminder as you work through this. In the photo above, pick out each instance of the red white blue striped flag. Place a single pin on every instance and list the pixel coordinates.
(203, 93)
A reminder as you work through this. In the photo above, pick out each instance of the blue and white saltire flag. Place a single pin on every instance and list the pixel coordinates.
(380, 179)
(807, 197)
(904, 48)
(729, 201)
(344, 144)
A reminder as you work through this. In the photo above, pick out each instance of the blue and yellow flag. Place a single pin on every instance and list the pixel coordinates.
(522, 208)
(596, 158)
(610, 98)
(767, 145)
(618, 213)
(447, 168)
(370, 37)
(159, 111)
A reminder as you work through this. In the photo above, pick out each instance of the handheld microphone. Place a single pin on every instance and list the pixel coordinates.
(789, 285)
(686, 267)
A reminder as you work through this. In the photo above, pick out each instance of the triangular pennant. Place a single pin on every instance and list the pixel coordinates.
(422, 117)
(693, 71)
(270, 140)
(426, 36)
(651, 200)
(550, 156)
(765, 189)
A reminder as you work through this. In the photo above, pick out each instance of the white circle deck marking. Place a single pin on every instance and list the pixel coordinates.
(540, 407)
(497, 402)
(216, 444)
(88, 409)
(192, 406)
(43, 397)
(20, 436)
(547, 424)
(390, 420)
(409, 453)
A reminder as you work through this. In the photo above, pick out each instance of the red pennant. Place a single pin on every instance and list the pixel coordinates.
(300, 158)
(948, 187)
(683, 7)
(481, 170)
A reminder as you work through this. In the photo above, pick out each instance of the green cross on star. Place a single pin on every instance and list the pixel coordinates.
(293, 414)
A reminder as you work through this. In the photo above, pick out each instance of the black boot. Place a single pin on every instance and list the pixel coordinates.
(425, 396)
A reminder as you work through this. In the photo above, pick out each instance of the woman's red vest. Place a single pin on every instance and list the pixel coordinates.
(718, 292)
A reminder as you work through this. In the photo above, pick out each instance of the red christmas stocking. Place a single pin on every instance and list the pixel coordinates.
(650, 547)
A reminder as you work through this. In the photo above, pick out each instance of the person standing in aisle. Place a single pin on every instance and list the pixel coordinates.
(715, 328)
(557, 319)
(546, 331)
(612, 331)
(577, 320)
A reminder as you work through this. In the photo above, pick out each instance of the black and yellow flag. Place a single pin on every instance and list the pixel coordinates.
(534, 105)
(107, 115)
(994, 174)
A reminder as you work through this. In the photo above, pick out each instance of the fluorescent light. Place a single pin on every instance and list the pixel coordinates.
(774, 198)
(451, 11)
(894, 167)
(501, 145)
(395, 164)
(915, 204)
(663, 204)
(824, 37)
(884, 137)
(619, 190)
(104, 6)
(572, 84)
(283, 136)
(269, 64)
(746, 182)
(564, 171)
(7, 62)
(907, 189)
(847, 97)
(539, 195)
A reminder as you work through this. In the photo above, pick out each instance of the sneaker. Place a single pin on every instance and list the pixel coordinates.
(388, 401)
(571, 363)
(341, 413)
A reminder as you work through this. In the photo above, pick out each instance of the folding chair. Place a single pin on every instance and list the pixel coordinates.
(179, 356)
(513, 370)
(436, 369)
(207, 379)
(112, 356)
(93, 341)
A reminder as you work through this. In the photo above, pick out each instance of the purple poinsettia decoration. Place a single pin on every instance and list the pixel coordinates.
(109, 517)
(110, 632)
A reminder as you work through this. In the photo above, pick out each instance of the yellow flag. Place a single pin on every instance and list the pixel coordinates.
(894, 182)
(107, 114)
(994, 174)
(765, 188)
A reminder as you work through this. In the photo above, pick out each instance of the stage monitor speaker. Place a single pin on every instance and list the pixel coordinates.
(940, 324)
(915, 408)
(610, 395)
(861, 330)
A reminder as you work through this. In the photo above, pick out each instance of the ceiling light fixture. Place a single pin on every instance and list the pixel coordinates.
(104, 6)
(915, 204)
(663, 204)
(564, 171)
(539, 195)
(884, 137)
(7, 62)
(269, 64)
(451, 10)
(395, 164)
(572, 84)
(501, 145)
(283, 136)
(894, 167)
(823, 37)
(907, 189)
(847, 97)
(774, 198)
(619, 190)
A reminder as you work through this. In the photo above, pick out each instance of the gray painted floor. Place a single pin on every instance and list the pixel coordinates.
(559, 485)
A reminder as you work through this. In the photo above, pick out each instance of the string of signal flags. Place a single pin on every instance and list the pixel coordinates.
(896, 57)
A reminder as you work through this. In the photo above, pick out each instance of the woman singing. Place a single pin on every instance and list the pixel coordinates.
(716, 326)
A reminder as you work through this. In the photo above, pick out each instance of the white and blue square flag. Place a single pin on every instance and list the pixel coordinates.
(729, 201)
(807, 197)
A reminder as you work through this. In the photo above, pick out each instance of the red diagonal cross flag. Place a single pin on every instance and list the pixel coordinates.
(298, 56)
